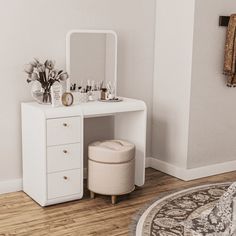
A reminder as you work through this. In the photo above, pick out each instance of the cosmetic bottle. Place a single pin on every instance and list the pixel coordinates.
(104, 94)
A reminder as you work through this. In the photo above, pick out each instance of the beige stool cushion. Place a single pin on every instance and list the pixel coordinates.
(111, 151)
(111, 179)
(111, 167)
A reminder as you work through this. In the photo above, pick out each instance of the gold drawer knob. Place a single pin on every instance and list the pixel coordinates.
(65, 124)
(65, 177)
(65, 151)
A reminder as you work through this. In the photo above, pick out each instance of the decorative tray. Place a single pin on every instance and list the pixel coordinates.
(111, 100)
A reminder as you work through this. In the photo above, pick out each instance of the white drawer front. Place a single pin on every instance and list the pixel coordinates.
(62, 131)
(64, 183)
(63, 157)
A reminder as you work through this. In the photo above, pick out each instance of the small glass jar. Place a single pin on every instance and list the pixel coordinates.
(103, 94)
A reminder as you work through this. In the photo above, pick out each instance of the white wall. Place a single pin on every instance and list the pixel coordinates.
(194, 120)
(172, 80)
(31, 28)
(110, 58)
(212, 128)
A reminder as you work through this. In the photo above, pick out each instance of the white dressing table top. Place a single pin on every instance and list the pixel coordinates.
(90, 109)
(97, 108)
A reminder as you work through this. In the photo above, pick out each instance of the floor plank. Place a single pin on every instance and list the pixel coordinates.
(21, 216)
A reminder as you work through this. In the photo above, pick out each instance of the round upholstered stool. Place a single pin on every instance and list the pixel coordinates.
(111, 168)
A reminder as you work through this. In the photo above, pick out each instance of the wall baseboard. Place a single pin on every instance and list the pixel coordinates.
(148, 162)
(167, 168)
(191, 174)
(16, 185)
(9, 186)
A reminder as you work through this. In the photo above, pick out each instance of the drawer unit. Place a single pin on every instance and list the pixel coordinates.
(63, 131)
(52, 151)
(63, 157)
(64, 183)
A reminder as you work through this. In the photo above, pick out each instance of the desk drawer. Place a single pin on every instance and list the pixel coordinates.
(64, 183)
(63, 157)
(63, 131)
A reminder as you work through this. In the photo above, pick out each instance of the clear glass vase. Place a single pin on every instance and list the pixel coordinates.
(47, 99)
(39, 94)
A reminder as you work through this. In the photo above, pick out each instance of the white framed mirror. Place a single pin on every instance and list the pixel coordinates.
(91, 55)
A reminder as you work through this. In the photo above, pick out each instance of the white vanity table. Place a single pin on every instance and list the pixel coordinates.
(53, 138)
(52, 142)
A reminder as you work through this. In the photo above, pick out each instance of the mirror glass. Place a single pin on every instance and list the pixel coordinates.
(92, 56)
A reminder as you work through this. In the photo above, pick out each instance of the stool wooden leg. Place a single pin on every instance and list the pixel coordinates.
(92, 195)
(113, 199)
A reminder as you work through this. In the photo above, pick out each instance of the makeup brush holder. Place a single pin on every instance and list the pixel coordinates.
(96, 95)
(83, 97)
(80, 97)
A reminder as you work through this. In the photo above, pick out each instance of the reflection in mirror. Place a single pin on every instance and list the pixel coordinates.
(92, 59)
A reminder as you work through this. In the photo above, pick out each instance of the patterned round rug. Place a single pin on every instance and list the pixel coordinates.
(163, 217)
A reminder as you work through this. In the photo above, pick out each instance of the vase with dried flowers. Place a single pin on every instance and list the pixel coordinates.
(44, 75)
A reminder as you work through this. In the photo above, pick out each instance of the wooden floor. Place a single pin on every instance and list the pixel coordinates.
(19, 215)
